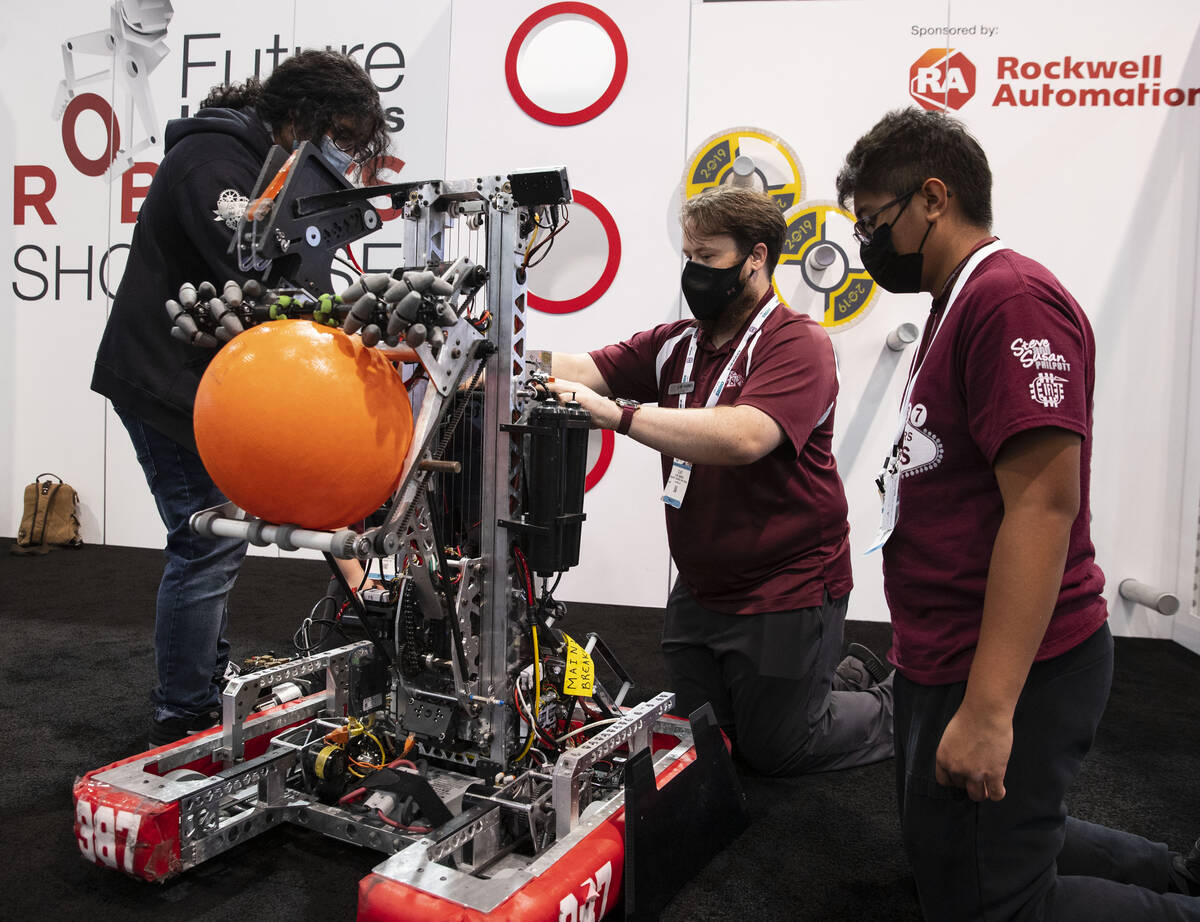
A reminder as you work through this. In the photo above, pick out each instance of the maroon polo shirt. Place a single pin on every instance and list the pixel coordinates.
(1014, 353)
(761, 537)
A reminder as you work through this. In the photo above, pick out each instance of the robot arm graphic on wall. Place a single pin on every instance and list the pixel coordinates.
(135, 43)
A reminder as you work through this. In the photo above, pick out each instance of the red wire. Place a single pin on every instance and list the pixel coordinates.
(391, 822)
(353, 261)
(524, 567)
(358, 792)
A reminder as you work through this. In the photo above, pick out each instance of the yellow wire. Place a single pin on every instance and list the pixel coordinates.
(537, 672)
(537, 696)
(382, 752)
(532, 239)
(367, 767)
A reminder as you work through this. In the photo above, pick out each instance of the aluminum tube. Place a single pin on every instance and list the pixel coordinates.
(289, 537)
(903, 336)
(1165, 603)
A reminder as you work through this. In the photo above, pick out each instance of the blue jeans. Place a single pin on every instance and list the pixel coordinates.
(190, 648)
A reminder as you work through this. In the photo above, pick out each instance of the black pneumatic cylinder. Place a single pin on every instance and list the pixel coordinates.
(555, 469)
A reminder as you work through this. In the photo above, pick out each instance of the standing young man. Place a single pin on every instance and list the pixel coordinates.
(1000, 634)
(151, 378)
(756, 514)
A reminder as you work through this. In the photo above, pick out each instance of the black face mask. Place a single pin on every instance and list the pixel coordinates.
(899, 273)
(710, 291)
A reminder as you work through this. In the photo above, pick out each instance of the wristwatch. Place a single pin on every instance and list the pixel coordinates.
(628, 408)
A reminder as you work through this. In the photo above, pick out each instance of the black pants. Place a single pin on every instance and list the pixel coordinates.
(1023, 858)
(770, 679)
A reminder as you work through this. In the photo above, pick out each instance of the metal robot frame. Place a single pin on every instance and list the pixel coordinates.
(505, 832)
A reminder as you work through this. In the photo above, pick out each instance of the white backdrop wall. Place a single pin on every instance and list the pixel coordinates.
(57, 311)
(1106, 195)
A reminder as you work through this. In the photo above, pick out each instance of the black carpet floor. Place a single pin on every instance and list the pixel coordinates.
(78, 662)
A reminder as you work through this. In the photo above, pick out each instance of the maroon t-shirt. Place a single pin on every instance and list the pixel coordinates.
(761, 537)
(1015, 352)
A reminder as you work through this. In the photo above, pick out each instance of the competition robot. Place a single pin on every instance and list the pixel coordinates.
(468, 739)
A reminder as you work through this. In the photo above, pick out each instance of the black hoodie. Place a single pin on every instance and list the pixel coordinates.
(140, 367)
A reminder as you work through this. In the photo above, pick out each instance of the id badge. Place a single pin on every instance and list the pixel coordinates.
(888, 482)
(681, 473)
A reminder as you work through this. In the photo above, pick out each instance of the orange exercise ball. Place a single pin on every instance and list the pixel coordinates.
(299, 423)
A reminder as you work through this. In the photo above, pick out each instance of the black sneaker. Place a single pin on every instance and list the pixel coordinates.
(878, 668)
(861, 668)
(1185, 872)
(171, 729)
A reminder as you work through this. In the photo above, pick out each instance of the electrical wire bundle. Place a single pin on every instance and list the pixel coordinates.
(384, 804)
(557, 740)
(555, 228)
(364, 750)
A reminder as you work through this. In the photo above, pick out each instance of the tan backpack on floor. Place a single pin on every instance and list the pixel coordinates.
(49, 518)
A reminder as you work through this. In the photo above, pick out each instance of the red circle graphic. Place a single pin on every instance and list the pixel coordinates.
(608, 441)
(563, 119)
(593, 294)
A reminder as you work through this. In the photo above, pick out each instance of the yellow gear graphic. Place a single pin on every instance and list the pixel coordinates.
(768, 165)
(819, 268)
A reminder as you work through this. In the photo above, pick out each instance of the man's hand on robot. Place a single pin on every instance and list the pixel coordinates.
(606, 414)
(535, 387)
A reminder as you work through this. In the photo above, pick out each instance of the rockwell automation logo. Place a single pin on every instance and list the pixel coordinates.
(941, 78)
(944, 78)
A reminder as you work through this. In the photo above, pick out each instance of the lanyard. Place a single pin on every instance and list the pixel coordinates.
(751, 332)
(976, 258)
(888, 480)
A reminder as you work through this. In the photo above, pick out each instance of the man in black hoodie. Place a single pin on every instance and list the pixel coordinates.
(151, 378)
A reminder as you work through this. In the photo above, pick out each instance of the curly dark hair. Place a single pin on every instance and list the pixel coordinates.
(749, 216)
(907, 147)
(317, 92)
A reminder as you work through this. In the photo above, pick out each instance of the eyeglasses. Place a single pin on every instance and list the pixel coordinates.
(864, 228)
(344, 136)
(345, 143)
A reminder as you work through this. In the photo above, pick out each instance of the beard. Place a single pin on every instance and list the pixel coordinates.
(736, 308)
